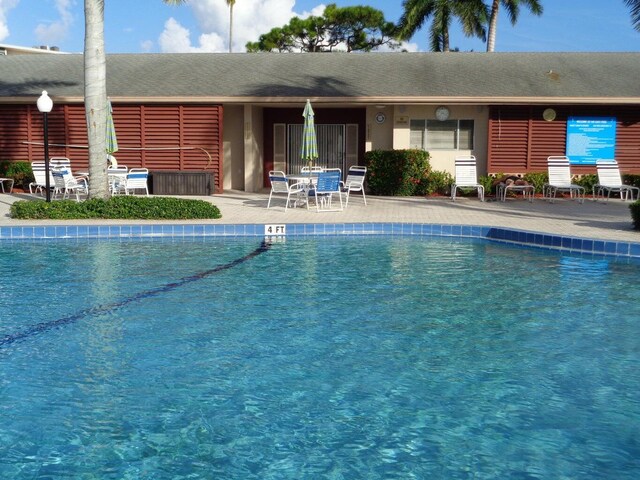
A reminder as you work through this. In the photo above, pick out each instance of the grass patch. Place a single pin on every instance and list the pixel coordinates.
(118, 207)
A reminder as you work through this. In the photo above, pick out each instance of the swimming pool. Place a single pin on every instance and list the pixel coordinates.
(339, 358)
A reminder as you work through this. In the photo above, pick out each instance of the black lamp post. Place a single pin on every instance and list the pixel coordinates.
(45, 104)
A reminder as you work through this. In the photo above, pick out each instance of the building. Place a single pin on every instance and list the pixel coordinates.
(240, 115)
(6, 49)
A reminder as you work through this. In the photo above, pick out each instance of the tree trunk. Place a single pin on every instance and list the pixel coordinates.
(231, 27)
(95, 97)
(493, 23)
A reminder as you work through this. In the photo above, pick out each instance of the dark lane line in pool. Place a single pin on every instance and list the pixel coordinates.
(46, 326)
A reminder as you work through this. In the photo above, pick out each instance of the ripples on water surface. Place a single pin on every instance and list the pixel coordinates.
(336, 358)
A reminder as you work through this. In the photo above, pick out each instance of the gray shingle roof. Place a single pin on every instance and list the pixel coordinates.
(341, 77)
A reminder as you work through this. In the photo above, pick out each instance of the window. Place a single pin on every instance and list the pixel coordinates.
(438, 135)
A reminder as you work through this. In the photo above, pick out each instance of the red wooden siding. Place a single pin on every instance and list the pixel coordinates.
(158, 137)
(520, 140)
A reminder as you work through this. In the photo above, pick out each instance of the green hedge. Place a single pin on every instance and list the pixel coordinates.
(118, 207)
(635, 214)
(20, 172)
(397, 172)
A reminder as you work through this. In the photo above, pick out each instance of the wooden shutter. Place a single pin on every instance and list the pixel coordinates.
(280, 146)
(351, 145)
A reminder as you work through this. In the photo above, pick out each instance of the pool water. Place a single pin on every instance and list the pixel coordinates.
(316, 358)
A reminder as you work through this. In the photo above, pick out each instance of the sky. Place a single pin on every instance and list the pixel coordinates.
(150, 26)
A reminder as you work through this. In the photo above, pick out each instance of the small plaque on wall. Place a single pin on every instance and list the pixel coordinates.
(402, 120)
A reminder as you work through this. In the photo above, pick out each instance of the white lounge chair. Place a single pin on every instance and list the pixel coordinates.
(559, 168)
(354, 183)
(466, 176)
(280, 185)
(610, 180)
(40, 179)
(66, 183)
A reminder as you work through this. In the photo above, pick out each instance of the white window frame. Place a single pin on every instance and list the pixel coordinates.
(419, 133)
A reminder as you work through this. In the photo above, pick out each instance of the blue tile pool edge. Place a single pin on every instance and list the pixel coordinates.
(496, 234)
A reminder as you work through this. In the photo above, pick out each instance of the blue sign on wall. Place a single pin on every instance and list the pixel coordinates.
(590, 139)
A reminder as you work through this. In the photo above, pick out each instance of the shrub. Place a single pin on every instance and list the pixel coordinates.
(439, 182)
(398, 172)
(118, 207)
(631, 179)
(586, 181)
(487, 182)
(635, 214)
(537, 179)
(19, 171)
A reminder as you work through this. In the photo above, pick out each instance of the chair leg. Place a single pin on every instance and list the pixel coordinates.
(364, 196)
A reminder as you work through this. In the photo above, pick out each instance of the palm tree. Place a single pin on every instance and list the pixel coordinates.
(95, 94)
(513, 9)
(471, 13)
(231, 3)
(635, 12)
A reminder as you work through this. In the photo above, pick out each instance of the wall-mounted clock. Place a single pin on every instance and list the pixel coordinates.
(549, 114)
(380, 117)
(442, 113)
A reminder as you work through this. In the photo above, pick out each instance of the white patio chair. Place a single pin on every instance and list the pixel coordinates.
(314, 169)
(136, 179)
(354, 183)
(66, 183)
(326, 186)
(117, 178)
(280, 185)
(466, 176)
(610, 180)
(307, 170)
(559, 168)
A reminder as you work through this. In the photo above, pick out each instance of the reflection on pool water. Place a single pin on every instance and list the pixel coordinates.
(336, 358)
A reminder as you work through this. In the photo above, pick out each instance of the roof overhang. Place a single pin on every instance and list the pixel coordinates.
(349, 101)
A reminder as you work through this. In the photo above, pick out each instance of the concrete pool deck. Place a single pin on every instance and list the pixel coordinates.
(590, 220)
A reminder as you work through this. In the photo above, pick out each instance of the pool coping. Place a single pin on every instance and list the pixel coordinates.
(497, 234)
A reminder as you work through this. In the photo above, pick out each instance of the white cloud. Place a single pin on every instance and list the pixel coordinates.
(54, 32)
(251, 18)
(408, 46)
(175, 39)
(5, 6)
(146, 46)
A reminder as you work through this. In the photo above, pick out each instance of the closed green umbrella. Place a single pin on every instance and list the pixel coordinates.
(309, 150)
(112, 141)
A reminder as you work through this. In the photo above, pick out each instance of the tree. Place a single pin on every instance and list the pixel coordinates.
(472, 15)
(359, 28)
(634, 5)
(95, 94)
(231, 3)
(513, 9)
